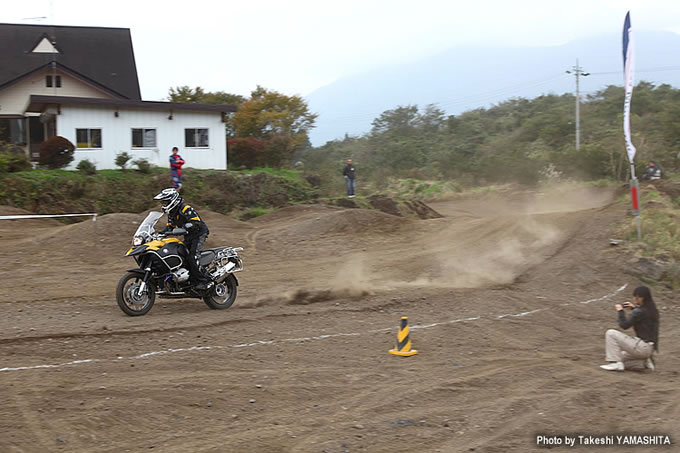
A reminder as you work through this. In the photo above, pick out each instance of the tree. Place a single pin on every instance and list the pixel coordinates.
(400, 121)
(432, 119)
(187, 95)
(56, 152)
(268, 114)
(246, 152)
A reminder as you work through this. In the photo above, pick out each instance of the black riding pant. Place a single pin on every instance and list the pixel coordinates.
(194, 245)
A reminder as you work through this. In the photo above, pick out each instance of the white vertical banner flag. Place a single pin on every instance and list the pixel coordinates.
(628, 80)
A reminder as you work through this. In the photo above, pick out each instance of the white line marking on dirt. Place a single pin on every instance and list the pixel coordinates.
(607, 296)
(518, 315)
(435, 324)
(35, 367)
(289, 340)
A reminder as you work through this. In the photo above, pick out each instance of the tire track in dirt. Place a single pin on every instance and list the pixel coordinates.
(267, 342)
(32, 422)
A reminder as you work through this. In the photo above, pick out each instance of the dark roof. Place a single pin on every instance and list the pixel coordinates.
(103, 56)
(38, 103)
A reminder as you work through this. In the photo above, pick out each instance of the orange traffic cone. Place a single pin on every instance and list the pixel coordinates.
(403, 341)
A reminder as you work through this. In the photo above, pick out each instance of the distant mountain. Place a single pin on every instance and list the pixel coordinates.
(469, 77)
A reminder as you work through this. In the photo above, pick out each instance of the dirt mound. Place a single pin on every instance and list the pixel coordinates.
(210, 217)
(292, 212)
(215, 219)
(510, 201)
(412, 209)
(670, 188)
(11, 210)
(18, 229)
(342, 222)
(111, 233)
(406, 208)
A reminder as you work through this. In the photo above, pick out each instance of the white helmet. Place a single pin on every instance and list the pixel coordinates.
(169, 198)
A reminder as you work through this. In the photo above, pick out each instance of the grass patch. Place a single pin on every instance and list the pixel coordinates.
(417, 189)
(60, 191)
(281, 172)
(660, 225)
(251, 213)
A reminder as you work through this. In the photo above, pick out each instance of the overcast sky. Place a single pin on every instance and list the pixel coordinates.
(297, 46)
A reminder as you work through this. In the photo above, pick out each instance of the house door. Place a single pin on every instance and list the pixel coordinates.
(37, 136)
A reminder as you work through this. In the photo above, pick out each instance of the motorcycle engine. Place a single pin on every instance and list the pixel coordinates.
(181, 275)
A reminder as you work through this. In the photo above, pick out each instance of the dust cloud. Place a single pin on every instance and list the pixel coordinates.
(498, 237)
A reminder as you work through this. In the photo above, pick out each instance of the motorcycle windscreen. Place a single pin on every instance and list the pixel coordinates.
(146, 228)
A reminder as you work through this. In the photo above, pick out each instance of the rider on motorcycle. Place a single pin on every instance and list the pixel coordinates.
(182, 215)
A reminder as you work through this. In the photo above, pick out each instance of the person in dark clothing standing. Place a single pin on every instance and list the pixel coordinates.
(625, 352)
(182, 215)
(653, 171)
(348, 173)
(176, 163)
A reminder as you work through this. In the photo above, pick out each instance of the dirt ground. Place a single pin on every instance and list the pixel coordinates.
(507, 295)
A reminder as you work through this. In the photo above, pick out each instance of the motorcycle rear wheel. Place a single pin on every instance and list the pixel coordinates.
(222, 295)
(129, 301)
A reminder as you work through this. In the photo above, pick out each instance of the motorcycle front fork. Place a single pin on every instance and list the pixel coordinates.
(142, 286)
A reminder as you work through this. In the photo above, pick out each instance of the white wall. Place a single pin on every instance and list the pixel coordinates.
(117, 135)
(13, 100)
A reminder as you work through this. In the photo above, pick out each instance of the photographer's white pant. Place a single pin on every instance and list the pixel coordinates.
(632, 351)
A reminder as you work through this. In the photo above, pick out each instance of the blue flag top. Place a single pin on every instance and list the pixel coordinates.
(626, 40)
(628, 68)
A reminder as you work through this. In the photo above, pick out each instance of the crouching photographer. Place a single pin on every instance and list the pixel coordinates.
(634, 353)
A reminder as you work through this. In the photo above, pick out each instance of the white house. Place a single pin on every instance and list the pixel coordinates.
(81, 83)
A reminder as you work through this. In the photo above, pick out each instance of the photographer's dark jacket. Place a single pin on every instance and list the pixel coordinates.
(645, 326)
(349, 171)
(653, 172)
(183, 214)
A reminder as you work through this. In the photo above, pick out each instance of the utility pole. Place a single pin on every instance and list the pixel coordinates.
(578, 71)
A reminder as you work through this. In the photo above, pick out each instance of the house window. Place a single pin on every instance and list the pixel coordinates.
(143, 138)
(49, 80)
(13, 131)
(196, 138)
(89, 138)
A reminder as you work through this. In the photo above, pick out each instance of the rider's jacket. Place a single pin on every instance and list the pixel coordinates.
(183, 214)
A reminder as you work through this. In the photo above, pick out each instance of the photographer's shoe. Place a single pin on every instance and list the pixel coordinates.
(614, 366)
(649, 364)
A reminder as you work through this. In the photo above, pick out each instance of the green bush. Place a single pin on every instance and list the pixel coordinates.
(86, 167)
(11, 161)
(122, 159)
(143, 166)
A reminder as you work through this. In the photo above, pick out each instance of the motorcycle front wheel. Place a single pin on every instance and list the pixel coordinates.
(222, 295)
(128, 297)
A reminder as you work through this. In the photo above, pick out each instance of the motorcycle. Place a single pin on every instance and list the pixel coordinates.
(162, 271)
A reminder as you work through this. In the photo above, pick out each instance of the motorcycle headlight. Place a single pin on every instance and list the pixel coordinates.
(137, 241)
